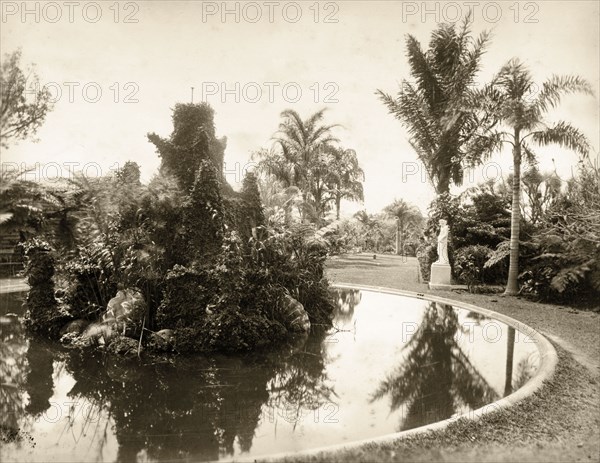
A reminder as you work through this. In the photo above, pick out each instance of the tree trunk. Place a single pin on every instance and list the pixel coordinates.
(443, 184)
(512, 286)
(338, 200)
(398, 243)
(510, 351)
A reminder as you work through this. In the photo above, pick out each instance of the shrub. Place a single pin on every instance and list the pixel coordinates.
(230, 330)
(294, 260)
(566, 267)
(563, 271)
(469, 264)
(90, 281)
(426, 255)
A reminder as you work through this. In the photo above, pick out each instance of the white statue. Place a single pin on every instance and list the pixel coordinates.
(442, 244)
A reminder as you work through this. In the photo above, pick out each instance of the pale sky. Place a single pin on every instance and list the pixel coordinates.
(172, 47)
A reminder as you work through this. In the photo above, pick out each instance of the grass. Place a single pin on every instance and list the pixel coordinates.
(560, 423)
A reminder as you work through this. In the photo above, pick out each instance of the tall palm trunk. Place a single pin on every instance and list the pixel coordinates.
(443, 181)
(338, 200)
(512, 286)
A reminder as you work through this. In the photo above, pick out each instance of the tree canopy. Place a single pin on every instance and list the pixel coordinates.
(23, 104)
(436, 105)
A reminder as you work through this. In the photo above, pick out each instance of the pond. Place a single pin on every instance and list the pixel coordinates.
(391, 363)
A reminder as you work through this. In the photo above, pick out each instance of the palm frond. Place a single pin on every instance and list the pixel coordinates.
(565, 135)
(557, 86)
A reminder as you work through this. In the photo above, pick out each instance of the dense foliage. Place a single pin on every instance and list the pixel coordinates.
(563, 259)
(559, 247)
(208, 266)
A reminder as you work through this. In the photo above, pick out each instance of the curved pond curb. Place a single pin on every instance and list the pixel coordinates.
(548, 362)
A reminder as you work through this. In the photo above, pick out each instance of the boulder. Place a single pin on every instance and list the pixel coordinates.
(294, 316)
(127, 306)
(167, 335)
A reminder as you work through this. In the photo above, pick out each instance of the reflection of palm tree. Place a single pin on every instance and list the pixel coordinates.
(435, 378)
(300, 384)
(525, 370)
(510, 352)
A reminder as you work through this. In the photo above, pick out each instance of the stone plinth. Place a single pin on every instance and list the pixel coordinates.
(440, 276)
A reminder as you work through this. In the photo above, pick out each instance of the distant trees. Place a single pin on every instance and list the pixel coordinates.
(395, 229)
(305, 158)
(20, 116)
(405, 215)
(345, 176)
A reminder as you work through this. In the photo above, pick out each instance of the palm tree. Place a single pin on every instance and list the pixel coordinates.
(405, 215)
(302, 143)
(372, 228)
(278, 180)
(345, 176)
(509, 97)
(435, 106)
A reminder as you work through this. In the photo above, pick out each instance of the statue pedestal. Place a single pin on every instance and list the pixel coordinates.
(441, 277)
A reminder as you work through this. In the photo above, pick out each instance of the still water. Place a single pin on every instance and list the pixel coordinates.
(390, 363)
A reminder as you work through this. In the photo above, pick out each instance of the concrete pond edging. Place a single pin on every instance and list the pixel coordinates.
(548, 363)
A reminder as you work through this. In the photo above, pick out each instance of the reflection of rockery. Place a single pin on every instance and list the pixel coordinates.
(202, 407)
(440, 270)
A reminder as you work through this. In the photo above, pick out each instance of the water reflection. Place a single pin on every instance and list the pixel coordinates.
(13, 364)
(345, 302)
(210, 407)
(435, 378)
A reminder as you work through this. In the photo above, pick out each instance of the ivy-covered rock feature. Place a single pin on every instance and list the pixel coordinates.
(196, 259)
(44, 316)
